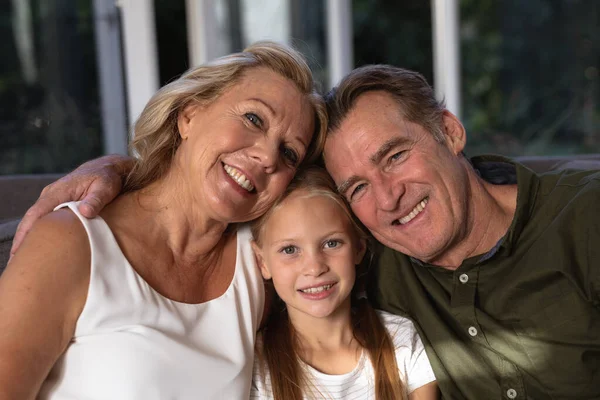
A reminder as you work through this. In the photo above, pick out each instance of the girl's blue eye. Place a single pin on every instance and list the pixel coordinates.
(254, 119)
(332, 244)
(289, 250)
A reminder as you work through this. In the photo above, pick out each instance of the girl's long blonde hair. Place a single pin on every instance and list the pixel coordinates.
(278, 347)
(155, 133)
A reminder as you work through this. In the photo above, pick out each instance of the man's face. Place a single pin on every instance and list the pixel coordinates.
(408, 189)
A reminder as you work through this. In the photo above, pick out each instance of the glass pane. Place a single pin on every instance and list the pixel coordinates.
(530, 76)
(296, 22)
(393, 32)
(171, 39)
(49, 111)
(237, 24)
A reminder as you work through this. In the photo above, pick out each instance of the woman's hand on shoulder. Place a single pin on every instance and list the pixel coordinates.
(42, 293)
(96, 183)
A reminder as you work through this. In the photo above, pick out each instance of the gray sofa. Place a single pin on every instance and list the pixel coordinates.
(19, 192)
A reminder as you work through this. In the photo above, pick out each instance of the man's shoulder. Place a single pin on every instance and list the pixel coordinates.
(388, 256)
(571, 188)
(576, 179)
(390, 277)
(388, 262)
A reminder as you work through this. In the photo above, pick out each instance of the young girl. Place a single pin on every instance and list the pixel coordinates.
(322, 340)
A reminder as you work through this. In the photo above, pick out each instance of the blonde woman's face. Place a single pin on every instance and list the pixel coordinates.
(239, 153)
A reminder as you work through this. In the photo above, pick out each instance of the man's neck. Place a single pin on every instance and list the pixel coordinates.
(492, 209)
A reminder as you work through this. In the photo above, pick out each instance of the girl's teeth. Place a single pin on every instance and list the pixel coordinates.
(317, 289)
(239, 178)
(416, 211)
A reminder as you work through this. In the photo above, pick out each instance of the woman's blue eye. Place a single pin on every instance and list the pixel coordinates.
(290, 155)
(254, 119)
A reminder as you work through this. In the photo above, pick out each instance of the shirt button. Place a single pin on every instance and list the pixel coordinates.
(511, 393)
(463, 278)
(473, 332)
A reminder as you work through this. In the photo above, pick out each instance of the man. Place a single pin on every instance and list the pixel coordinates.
(497, 266)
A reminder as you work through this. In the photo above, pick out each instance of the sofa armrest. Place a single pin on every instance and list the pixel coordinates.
(7, 233)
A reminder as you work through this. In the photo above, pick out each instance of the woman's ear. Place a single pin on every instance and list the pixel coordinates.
(361, 248)
(454, 132)
(260, 261)
(184, 120)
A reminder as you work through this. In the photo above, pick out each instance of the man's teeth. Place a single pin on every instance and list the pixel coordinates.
(317, 289)
(416, 211)
(239, 178)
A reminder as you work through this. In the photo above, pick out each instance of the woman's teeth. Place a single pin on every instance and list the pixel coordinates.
(317, 289)
(239, 178)
(416, 211)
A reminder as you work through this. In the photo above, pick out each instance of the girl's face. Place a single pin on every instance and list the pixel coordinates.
(310, 250)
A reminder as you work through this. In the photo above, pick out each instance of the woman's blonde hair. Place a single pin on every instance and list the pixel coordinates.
(156, 135)
(278, 347)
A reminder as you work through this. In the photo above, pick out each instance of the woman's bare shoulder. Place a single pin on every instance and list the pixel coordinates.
(56, 244)
(43, 291)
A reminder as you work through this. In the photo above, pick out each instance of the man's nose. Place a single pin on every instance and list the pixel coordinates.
(387, 193)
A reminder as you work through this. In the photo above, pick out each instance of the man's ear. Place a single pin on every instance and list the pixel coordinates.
(184, 119)
(260, 261)
(454, 132)
(361, 248)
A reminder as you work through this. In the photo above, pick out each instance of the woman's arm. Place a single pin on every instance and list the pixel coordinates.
(42, 293)
(96, 183)
(426, 392)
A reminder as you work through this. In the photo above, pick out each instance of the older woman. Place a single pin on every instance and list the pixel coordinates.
(159, 296)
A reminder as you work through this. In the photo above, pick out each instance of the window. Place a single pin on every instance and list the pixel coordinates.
(49, 103)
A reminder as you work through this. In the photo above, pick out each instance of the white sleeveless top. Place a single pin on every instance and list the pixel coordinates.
(132, 343)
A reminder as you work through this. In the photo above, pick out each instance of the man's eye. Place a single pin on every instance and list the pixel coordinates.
(254, 119)
(330, 244)
(396, 156)
(357, 190)
(290, 155)
(289, 250)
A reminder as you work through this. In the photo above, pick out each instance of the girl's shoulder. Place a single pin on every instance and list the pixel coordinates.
(411, 357)
(394, 321)
(401, 329)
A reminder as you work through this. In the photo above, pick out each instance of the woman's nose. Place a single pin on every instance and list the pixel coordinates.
(266, 153)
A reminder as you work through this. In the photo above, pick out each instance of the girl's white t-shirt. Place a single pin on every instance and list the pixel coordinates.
(413, 366)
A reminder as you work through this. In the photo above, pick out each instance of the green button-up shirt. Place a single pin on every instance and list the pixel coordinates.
(522, 321)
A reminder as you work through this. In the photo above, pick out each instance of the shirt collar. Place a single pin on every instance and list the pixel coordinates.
(528, 184)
